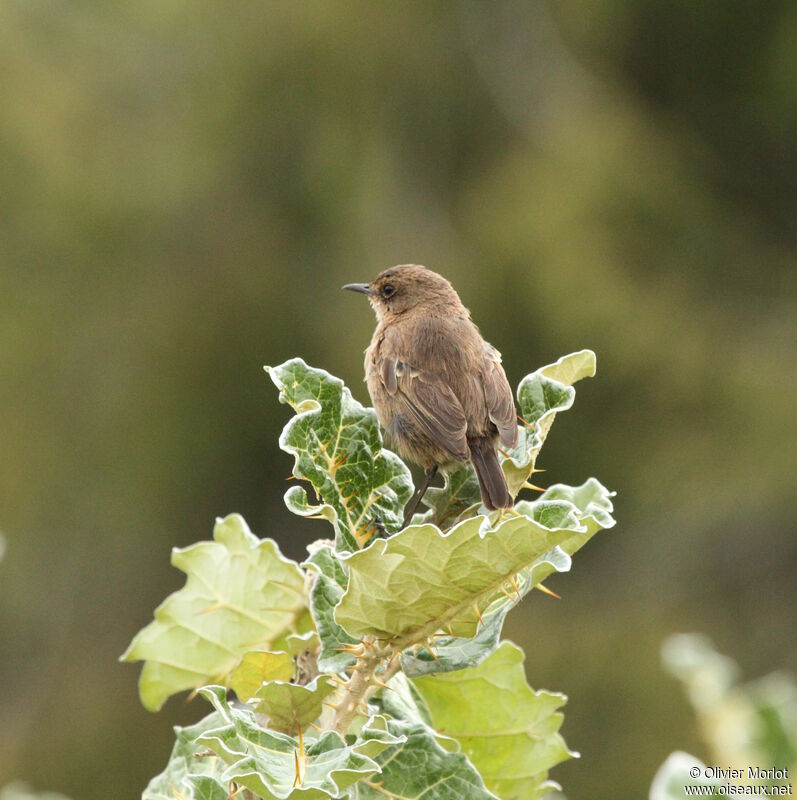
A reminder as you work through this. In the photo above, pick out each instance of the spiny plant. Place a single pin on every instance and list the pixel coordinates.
(375, 669)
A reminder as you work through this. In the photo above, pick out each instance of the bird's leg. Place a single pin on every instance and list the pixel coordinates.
(412, 506)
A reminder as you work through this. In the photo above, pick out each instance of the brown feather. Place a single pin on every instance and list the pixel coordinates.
(498, 395)
(429, 400)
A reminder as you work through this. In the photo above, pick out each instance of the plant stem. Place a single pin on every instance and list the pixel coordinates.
(362, 684)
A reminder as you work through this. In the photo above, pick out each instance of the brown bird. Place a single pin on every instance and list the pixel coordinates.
(438, 388)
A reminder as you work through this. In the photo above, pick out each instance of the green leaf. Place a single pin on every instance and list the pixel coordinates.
(203, 787)
(509, 731)
(174, 781)
(421, 768)
(330, 582)
(289, 705)
(541, 395)
(403, 702)
(240, 594)
(459, 493)
(409, 586)
(590, 499)
(257, 667)
(266, 762)
(452, 652)
(337, 447)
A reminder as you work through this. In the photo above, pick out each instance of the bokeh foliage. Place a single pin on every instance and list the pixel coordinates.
(186, 187)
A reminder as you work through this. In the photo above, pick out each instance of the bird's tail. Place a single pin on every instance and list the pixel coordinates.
(495, 493)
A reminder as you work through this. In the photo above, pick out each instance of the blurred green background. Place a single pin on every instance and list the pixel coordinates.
(186, 186)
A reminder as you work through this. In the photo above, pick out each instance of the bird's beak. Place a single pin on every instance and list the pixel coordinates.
(358, 287)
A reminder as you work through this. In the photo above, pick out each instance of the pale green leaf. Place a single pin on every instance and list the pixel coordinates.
(419, 769)
(403, 702)
(453, 652)
(240, 594)
(450, 653)
(459, 493)
(298, 643)
(541, 395)
(329, 584)
(300, 637)
(591, 500)
(203, 787)
(265, 761)
(509, 731)
(420, 580)
(174, 781)
(337, 447)
(258, 666)
(290, 705)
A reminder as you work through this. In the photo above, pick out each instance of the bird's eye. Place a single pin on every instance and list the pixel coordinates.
(388, 290)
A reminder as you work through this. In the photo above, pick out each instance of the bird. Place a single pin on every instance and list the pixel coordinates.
(438, 388)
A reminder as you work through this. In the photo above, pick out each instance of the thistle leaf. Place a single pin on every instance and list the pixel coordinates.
(541, 395)
(240, 594)
(256, 668)
(460, 492)
(420, 768)
(421, 580)
(184, 766)
(587, 507)
(290, 706)
(276, 767)
(507, 730)
(337, 447)
(330, 582)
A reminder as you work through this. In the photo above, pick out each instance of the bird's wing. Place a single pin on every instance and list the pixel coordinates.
(427, 400)
(498, 395)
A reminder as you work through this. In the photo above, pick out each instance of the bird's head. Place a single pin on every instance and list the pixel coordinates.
(409, 288)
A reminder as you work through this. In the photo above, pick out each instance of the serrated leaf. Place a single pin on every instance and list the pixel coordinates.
(174, 781)
(240, 593)
(410, 585)
(204, 787)
(290, 705)
(451, 653)
(591, 500)
(560, 507)
(331, 580)
(403, 702)
(509, 731)
(459, 492)
(421, 768)
(257, 667)
(541, 395)
(337, 447)
(297, 643)
(266, 762)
